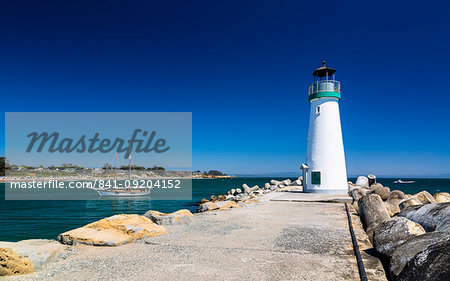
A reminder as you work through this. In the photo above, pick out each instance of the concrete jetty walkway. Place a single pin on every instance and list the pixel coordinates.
(271, 240)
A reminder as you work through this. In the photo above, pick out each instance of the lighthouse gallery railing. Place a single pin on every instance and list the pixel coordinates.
(324, 86)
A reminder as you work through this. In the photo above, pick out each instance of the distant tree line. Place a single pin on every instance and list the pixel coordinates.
(108, 166)
(2, 166)
(210, 173)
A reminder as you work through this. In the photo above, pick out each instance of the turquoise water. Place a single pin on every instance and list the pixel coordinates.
(46, 219)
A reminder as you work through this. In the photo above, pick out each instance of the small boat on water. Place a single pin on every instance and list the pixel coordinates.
(122, 192)
(402, 181)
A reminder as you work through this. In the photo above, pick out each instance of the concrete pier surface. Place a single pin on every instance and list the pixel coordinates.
(271, 240)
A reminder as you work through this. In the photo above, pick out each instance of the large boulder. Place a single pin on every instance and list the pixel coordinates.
(442, 197)
(113, 231)
(383, 191)
(355, 206)
(362, 181)
(178, 217)
(357, 193)
(393, 200)
(392, 233)
(375, 186)
(296, 183)
(248, 190)
(286, 182)
(425, 197)
(372, 212)
(38, 251)
(208, 206)
(275, 182)
(392, 207)
(396, 195)
(224, 205)
(433, 217)
(409, 201)
(423, 257)
(12, 263)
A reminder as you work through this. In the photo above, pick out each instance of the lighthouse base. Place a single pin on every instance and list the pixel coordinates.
(327, 190)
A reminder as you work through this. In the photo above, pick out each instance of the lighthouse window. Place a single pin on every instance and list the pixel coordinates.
(315, 177)
(318, 110)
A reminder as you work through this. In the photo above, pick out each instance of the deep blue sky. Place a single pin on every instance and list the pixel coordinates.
(242, 68)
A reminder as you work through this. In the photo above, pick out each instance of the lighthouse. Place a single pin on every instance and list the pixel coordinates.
(324, 170)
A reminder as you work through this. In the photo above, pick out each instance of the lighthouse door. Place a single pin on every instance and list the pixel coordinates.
(315, 178)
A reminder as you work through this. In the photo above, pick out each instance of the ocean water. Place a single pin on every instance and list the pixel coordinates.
(21, 220)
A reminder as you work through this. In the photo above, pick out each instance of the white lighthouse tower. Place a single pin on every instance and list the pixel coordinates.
(324, 171)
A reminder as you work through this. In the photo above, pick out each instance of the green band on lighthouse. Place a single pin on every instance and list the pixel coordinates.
(325, 95)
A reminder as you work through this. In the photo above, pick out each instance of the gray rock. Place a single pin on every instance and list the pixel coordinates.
(237, 191)
(233, 191)
(229, 197)
(258, 192)
(383, 191)
(38, 251)
(357, 193)
(375, 186)
(266, 185)
(394, 232)
(275, 182)
(296, 183)
(287, 182)
(168, 219)
(362, 181)
(208, 206)
(396, 194)
(249, 190)
(372, 212)
(423, 257)
(433, 217)
(392, 207)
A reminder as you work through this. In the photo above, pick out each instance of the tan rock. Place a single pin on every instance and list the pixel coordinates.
(355, 206)
(409, 201)
(208, 206)
(372, 213)
(396, 194)
(425, 197)
(442, 197)
(38, 251)
(180, 216)
(228, 205)
(375, 186)
(13, 264)
(113, 231)
(250, 201)
(357, 193)
(392, 207)
(383, 191)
